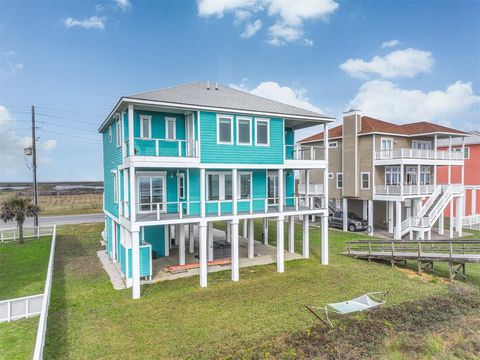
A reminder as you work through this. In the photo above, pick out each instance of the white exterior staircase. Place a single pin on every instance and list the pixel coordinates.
(432, 209)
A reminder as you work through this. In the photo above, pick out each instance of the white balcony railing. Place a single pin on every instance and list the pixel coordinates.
(304, 152)
(396, 190)
(406, 153)
(313, 189)
(165, 147)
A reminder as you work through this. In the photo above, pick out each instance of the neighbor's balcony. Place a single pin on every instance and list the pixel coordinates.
(405, 190)
(313, 189)
(179, 148)
(295, 154)
(217, 208)
(418, 154)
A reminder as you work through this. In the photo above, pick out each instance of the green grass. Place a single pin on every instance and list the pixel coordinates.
(17, 339)
(178, 319)
(23, 268)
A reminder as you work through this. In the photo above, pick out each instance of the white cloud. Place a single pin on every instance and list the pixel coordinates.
(49, 145)
(289, 16)
(390, 44)
(399, 63)
(93, 22)
(123, 4)
(8, 64)
(385, 100)
(272, 90)
(251, 29)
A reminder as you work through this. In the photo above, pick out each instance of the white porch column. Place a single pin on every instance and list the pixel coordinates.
(280, 246)
(390, 217)
(191, 239)
(281, 190)
(402, 168)
(133, 195)
(473, 205)
(324, 245)
(210, 240)
(306, 238)
(441, 224)
(235, 251)
(418, 178)
(202, 252)
(251, 233)
(135, 265)
(365, 209)
(202, 193)
(131, 136)
(307, 185)
(291, 234)
(325, 171)
(265, 231)
(460, 216)
(234, 192)
(398, 220)
(370, 217)
(245, 228)
(167, 239)
(345, 214)
(451, 219)
(429, 234)
(435, 144)
(228, 233)
(181, 247)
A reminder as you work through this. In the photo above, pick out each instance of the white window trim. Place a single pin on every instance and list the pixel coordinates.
(415, 142)
(336, 184)
(118, 129)
(149, 118)
(221, 185)
(330, 176)
(265, 120)
(167, 119)
(110, 134)
(230, 117)
(459, 149)
(181, 176)
(361, 180)
(239, 195)
(164, 195)
(333, 144)
(115, 187)
(244, 118)
(382, 154)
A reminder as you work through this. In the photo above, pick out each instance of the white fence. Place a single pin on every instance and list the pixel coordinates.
(9, 235)
(20, 308)
(42, 324)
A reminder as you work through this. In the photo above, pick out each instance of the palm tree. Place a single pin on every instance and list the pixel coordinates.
(18, 208)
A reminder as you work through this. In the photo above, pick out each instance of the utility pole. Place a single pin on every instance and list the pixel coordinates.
(34, 166)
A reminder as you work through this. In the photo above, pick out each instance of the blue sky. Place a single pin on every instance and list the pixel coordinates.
(400, 61)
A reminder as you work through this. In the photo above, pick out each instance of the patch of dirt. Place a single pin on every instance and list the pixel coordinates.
(423, 276)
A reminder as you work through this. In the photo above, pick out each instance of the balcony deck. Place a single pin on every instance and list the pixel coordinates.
(417, 156)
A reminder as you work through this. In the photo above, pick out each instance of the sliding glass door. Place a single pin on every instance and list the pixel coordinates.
(151, 192)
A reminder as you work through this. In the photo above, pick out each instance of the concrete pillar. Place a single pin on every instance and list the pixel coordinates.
(202, 193)
(235, 251)
(281, 190)
(370, 217)
(460, 216)
(228, 234)
(280, 246)
(441, 224)
(181, 249)
(202, 252)
(135, 265)
(324, 240)
(365, 209)
(345, 214)
(398, 220)
(210, 241)
(306, 237)
(291, 234)
(167, 240)
(191, 239)
(390, 217)
(265, 231)
(251, 248)
(451, 219)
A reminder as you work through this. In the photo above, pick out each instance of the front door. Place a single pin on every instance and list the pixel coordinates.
(272, 188)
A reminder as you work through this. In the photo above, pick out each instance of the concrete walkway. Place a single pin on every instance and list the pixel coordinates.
(110, 268)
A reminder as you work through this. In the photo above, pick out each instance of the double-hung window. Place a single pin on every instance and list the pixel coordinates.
(145, 126)
(118, 129)
(219, 186)
(244, 186)
(224, 129)
(115, 187)
(365, 181)
(181, 186)
(262, 132)
(392, 175)
(244, 131)
(170, 125)
(339, 180)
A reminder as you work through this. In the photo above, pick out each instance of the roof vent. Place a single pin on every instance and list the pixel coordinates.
(208, 85)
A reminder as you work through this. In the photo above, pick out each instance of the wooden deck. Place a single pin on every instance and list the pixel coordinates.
(456, 253)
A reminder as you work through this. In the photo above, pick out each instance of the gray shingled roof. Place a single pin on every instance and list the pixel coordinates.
(473, 139)
(225, 97)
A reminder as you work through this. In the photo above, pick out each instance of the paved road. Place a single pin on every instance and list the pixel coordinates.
(59, 220)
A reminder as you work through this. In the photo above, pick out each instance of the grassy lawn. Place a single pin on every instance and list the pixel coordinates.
(23, 267)
(17, 339)
(177, 319)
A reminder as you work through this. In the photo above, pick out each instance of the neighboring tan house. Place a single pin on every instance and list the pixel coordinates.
(179, 159)
(384, 172)
(472, 177)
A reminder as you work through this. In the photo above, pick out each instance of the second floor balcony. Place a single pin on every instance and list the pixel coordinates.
(405, 190)
(304, 153)
(164, 147)
(417, 154)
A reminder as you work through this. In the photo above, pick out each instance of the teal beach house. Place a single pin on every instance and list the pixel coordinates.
(176, 160)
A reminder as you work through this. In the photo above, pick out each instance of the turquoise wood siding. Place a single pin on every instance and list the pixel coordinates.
(289, 143)
(122, 259)
(211, 152)
(108, 235)
(289, 187)
(112, 157)
(145, 260)
(155, 235)
(194, 191)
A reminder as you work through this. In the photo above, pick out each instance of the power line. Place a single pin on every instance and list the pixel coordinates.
(72, 136)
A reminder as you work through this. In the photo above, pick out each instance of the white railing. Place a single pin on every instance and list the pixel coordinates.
(20, 308)
(469, 220)
(166, 147)
(435, 194)
(304, 152)
(407, 190)
(407, 153)
(42, 324)
(13, 234)
(313, 189)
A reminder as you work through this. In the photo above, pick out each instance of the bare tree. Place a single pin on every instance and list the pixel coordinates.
(17, 209)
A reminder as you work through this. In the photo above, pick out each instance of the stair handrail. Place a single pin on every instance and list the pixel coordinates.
(430, 201)
(440, 205)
